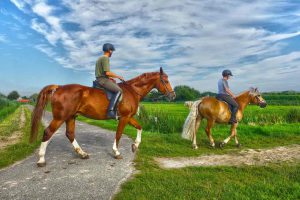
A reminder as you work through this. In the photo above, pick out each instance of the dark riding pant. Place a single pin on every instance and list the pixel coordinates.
(108, 84)
(117, 92)
(233, 105)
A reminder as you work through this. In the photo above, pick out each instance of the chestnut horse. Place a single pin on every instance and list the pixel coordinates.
(68, 101)
(216, 111)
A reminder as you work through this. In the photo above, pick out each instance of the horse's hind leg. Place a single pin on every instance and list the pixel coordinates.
(210, 124)
(48, 133)
(198, 122)
(233, 134)
(70, 133)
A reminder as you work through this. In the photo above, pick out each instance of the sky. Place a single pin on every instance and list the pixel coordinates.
(46, 42)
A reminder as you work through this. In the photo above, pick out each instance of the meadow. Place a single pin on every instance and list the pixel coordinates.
(261, 128)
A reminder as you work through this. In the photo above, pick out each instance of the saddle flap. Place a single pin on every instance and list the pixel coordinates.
(97, 85)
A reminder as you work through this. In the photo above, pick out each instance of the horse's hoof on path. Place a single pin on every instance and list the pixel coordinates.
(133, 148)
(212, 146)
(222, 145)
(41, 164)
(86, 156)
(195, 147)
(118, 157)
(238, 145)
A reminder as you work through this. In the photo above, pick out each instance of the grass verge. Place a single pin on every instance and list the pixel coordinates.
(19, 151)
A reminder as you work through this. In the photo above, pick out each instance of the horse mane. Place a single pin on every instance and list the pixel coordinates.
(142, 76)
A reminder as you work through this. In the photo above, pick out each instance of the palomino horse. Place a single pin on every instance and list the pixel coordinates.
(216, 111)
(68, 101)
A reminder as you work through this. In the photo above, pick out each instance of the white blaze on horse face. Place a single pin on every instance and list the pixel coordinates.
(115, 148)
(78, 148)
(138, 138)
(42, 152)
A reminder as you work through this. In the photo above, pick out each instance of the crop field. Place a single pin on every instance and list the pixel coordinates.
(14, 133)
(261, 128)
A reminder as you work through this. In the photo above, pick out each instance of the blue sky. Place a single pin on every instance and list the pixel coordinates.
(57, 42)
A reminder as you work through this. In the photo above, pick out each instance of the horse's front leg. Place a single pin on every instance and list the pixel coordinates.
(233, 134)
(122, 123)
(138, 139)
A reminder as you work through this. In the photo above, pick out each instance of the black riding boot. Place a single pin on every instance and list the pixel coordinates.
(233, 115)
(111, 112)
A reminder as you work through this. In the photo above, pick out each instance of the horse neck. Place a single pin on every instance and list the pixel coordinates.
(243, 100)
(143, 86)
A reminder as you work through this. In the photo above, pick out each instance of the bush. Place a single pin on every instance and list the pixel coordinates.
(293, 116)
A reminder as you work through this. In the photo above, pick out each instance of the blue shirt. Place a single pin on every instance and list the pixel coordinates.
(222, 84)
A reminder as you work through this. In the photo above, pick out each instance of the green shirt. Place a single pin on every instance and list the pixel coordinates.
(102, 66)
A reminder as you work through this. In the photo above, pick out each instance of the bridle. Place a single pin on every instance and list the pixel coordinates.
(166, 88)
(162, 81)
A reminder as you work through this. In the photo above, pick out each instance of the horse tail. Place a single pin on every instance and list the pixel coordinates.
(37, 113)
(190, 122)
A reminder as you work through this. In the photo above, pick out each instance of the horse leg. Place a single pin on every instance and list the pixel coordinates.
(48, 133)
(198, 121)
(138, 139)
(122, 123)
(210, 124)
(70, 133)
(233, 134)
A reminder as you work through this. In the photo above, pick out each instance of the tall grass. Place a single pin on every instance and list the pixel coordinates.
(164, 118)
(7, 107)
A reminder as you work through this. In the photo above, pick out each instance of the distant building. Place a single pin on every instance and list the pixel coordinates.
(21, 100)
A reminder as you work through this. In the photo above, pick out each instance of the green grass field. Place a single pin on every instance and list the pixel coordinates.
(22, 148)
(262, 128)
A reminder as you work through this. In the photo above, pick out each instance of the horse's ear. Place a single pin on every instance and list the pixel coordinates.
(161, 70)
(255, 90)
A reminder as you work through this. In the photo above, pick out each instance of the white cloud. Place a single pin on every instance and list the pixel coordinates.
(3, 38)
(191, 38)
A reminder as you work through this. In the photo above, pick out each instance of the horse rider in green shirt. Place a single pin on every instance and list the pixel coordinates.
(106, 79)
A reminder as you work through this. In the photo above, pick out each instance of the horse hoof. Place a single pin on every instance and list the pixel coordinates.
(133, 148)
(212, 146)
(195, 146)
(238, 145)
(222, 144)
(85, 156)
(41, 164)
(118, 157)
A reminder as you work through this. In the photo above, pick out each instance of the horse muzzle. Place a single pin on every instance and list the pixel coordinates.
(262, 104)
(171, 96)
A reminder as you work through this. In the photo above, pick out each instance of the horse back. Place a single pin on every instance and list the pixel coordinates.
(211, 108)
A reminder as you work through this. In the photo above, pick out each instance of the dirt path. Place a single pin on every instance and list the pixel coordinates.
(246, 157)
(66, 176)
(16, 135)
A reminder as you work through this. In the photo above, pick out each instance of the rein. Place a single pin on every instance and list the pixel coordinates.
(161, 96)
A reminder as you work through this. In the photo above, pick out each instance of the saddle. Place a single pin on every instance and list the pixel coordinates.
(224, 102)
(108, 93)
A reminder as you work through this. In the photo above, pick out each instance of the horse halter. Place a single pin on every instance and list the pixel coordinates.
(166, 88)
(260, 103)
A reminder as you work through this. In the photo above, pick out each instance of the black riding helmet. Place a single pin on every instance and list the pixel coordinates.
(108, 47)
(227, 72)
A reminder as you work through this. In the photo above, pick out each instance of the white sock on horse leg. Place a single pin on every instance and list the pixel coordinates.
(77, 148)
(236, 140)
(115, 148)
(227, 140)
(42, 152)
(138, 138)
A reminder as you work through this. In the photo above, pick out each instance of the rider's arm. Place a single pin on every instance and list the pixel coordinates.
(229, 92)
(113, 75)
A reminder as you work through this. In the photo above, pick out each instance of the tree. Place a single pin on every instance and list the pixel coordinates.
(184, 93)
(34, 97)
(14, 95)
(2, 95)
